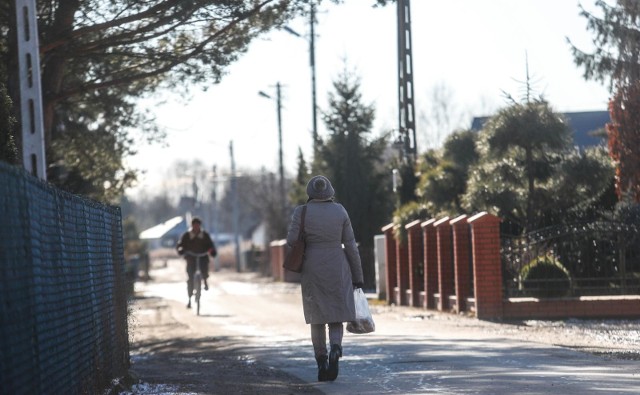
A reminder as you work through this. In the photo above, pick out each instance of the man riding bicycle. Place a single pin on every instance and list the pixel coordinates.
(194, 244)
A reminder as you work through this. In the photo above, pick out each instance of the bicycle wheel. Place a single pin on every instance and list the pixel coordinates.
(197, 283)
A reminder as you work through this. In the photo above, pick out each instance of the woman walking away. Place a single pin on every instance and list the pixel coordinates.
(329, 274)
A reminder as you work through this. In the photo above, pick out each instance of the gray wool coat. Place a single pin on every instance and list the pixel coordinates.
(329, 269)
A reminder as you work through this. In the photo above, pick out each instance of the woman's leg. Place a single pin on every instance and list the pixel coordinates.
(335, 338)
(336, 331)
(319, 339)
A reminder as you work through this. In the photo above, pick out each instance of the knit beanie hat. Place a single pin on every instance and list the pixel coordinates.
(319, 187)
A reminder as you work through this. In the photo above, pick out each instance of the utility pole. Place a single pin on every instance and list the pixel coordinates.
(33, 153)
(406, 113)
(214, 215)
(312, 61)
(283, 196)
(280, 159)
(234, 195)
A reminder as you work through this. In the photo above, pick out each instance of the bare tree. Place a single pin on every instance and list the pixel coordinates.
(442, 116)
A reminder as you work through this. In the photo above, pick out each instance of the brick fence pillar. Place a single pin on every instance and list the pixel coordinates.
(415, 252)
(402, 267)
(391, 271)
(461, 259)
(487, 267)
(430, 244)
(445, 262)
(277, 258)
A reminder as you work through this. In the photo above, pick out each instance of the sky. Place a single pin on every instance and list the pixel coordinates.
(474, 51)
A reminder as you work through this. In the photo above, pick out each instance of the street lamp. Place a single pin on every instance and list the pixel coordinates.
(281, 166)
(312, 63)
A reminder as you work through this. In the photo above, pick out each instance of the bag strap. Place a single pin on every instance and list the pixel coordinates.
(304, 211)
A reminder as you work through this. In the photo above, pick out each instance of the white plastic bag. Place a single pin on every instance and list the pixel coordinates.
(364, 322)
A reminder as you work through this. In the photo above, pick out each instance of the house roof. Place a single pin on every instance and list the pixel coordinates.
(583, 124)
(162, 229)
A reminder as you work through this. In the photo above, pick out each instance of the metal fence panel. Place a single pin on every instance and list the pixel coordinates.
(63, 313)
(594, 257)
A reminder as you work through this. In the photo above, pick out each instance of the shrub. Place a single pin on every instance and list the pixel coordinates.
(545, 277)
(404, 215)
(8, 150)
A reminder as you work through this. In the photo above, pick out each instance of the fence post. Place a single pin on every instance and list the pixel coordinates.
(487, 265)
(445, 262)
(430, 243)
(390, 266)
(380, 263)
(277, 258)
(461, 256)
(414, 244)
(402, 267)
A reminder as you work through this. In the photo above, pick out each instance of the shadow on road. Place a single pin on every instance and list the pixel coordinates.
(165, 351)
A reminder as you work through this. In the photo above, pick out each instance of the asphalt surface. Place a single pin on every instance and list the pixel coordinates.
(251, 338)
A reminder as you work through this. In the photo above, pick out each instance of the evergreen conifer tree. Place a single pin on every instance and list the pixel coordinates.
(298, 191)
(354, 162)
(528, 171)
(616, 59)
(8, 150)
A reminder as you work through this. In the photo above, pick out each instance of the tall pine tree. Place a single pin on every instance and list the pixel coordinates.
(353, 160)
(8, 150)
(616, 59)
(298, 190)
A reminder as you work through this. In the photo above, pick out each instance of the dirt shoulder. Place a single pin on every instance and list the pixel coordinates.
(172, 357)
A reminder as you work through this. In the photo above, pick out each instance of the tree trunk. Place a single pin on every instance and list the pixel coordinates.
(530, 188)
(53, 66)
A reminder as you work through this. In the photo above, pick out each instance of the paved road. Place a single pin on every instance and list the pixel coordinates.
(413, 351)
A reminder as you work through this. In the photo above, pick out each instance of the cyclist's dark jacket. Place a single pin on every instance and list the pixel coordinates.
(197, 244)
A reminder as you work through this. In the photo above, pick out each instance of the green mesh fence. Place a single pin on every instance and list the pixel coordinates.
(63, 308)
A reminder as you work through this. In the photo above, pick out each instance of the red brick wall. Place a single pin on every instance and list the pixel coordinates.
(278, 251)
(277, 258)
(390, 263)
(487, 266)
(445, 240)
(445, 262)
(586, 306)
(461, 256)
(430, 244)
(402, 267)
(416, 258)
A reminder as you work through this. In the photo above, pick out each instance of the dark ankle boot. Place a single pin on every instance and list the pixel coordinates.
(323, 367)
(334, 356)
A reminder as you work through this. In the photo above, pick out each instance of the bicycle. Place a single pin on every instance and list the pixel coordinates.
(197, 278)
